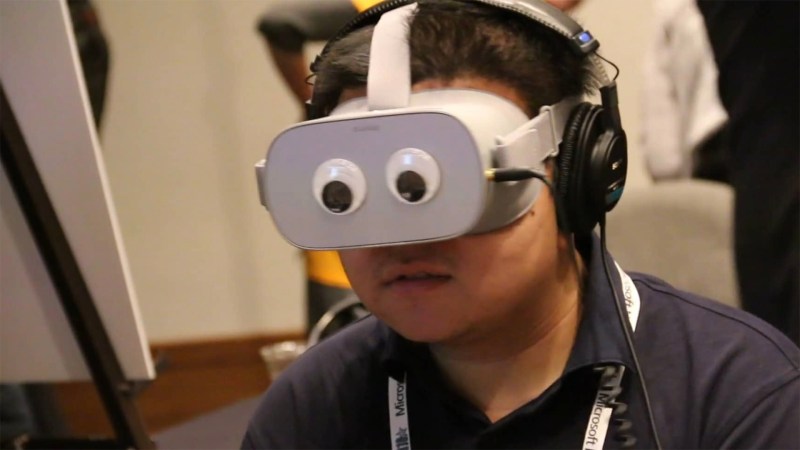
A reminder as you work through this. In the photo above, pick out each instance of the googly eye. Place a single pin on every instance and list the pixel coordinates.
(412, 175)
(339, 186)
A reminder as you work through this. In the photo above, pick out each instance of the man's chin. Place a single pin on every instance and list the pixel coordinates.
(423, 333)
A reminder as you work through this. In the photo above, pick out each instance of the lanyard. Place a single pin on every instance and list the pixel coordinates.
(601, 410)
(598, 419)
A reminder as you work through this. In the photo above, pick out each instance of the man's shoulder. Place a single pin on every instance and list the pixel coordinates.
(346, 361)
(341, 373)
(710, 326)
(715, 339)
(716, 365)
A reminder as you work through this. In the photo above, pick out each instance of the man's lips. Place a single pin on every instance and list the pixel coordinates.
(414, 273)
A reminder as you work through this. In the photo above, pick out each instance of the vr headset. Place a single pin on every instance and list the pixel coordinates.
(397, 167)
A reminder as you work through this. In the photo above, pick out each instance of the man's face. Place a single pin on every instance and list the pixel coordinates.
(469, 287)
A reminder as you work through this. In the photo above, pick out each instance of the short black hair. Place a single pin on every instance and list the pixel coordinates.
(451, 39)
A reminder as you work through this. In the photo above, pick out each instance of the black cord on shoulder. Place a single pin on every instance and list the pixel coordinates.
(626, 327)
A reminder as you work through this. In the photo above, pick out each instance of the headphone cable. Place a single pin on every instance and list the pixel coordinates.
(506, 174)
(500, 175)
(627, 332)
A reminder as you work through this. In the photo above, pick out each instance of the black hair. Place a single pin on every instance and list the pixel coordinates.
(452, 39)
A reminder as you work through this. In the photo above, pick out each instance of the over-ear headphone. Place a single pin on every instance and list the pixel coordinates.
(592, 161)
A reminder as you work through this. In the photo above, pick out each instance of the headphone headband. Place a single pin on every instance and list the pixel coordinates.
(581, 40)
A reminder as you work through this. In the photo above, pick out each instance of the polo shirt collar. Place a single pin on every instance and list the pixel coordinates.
(600, 339)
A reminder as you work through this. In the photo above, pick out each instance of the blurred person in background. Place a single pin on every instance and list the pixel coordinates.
(720, 102)
(682, 115)
(286, 27)
(756, 46)
(94, 52)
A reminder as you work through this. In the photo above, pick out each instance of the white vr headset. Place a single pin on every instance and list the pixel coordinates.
(398, 167)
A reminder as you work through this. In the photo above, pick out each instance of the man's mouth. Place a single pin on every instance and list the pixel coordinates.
(414, 276)
(421, 276)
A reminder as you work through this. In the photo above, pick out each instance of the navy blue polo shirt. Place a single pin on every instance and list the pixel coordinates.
(717, 378)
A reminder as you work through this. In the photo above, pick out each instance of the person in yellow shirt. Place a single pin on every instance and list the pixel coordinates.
(286, 27)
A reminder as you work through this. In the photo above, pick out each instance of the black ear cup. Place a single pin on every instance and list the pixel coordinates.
(584, 127)
(592, 165)
(609, 168)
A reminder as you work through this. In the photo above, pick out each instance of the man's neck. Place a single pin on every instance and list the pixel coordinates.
(502, 376)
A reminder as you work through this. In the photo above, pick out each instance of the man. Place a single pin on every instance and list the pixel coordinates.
(681, 113)
(512, 334)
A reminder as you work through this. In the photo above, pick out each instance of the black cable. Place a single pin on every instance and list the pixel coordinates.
(611, 387)
(522, 173)
(517, 174)
(626, 328)
(612, 65)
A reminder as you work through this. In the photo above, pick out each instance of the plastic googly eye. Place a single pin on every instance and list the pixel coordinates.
(339, 186)
(412, 175)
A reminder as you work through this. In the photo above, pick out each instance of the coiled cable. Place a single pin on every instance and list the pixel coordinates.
(610, 385)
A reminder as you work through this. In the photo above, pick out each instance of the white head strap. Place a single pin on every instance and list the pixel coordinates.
(389, 76)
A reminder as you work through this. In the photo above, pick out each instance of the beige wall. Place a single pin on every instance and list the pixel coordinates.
(192, 104)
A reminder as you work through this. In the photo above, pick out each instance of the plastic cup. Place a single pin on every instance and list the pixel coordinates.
(278, 356)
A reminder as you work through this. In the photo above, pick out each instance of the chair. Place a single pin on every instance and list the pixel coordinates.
(343, 313)
(680, 231)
